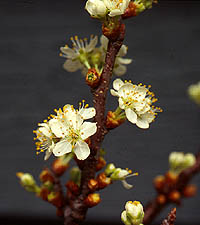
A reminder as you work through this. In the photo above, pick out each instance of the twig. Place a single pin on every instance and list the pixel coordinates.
(153, 208)
(170, 218)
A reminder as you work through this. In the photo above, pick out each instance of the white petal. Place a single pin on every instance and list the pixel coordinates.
(115, 12)
(122, 51)
(121, 103)
(62, 147)
(45, 131)
(57, 127)
(124, 61)
(81, 150)
(87, 129)
(104, 41)
(76, 121)
(87, 113)
(117, 84)
(119, 70)
(72, 65)
(92, 44)
(47, 154)
(126, 89)
(114, 93)
(126, 185)
(142, 123)
(70, 53)
(131, 115)
(95, 8)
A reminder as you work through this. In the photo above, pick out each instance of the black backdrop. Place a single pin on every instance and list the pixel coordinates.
(164, 45)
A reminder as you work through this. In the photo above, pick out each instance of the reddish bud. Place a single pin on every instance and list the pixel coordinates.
(59, 167)
(112, 121)
(92, 200)
(55, 199)
(44, 192)
(93, 185)
(171, 178)
(130, 11)
(174, 196)
(161, 199)
(71, 186)
(103, 181)
(92, 78)
(190, 191)
(112, 30)
(45, 176)
(100, 164)
(159, 183)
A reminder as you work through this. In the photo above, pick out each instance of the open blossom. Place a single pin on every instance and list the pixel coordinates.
(66, 132)
(136, 101)
(120, 62)
(99, 8)
(78, 55)
(119, 174)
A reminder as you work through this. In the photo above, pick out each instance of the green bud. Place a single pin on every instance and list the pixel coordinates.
(125, 219)
(75, 175)
(109, 169)
(119, 174)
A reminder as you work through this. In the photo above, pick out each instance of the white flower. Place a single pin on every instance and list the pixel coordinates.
(136, 101)
(45, 137)
(116, 7)
(96, 8)
(78, 56)
(121, 174)
(194, 92)
(120, 62)
(133, 214)
(70, 128)
(178, 161)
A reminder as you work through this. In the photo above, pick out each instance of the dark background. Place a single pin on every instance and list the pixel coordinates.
(164, 45)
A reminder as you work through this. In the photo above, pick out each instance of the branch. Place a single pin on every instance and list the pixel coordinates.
(154, 207)
(171, 218)
(76, 211)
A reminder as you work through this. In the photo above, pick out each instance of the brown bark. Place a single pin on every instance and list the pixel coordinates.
(76, 211)
(170, 218)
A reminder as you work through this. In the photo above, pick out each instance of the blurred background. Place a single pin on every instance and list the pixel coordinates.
(164, 45)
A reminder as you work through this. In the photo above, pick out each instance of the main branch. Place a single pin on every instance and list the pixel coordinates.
(76, 209)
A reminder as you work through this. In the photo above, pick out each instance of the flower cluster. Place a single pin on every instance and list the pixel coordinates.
(178, 161)
(84, 56)
(101, 8)
(194, 92)
(133, 213)
(66, 132)
(119, 174)
(136, 101)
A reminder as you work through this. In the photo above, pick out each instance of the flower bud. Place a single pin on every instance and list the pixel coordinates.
(174, 196)
(96, 8)
(45, 176)
(92, 200)
(134, 213)
(171, 178)
(100, 164)
(130, 11)
(55, 198)
(179, 161)
(28, 182)
(109, 169)
(59, 167)
(26, 179)
(190, 191)
(103, 181)
(159, 182)
(194, 92)
(161, 199)
(92, 78)
(74, 188)
(75, 175)
(93, 184)
(44, 192)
